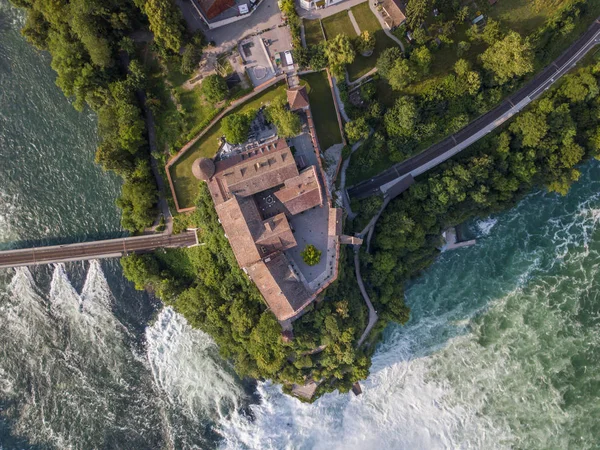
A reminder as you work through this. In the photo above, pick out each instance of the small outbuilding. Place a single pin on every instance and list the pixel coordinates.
(297, 98)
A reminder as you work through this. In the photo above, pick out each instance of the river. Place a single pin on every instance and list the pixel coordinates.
(501, 351)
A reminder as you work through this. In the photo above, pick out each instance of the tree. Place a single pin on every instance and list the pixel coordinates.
(416, 12)
(402, 118)
(462, 48)
(365, 43)
(138, 199)
(166, 23)
(287, 122)
(401, 74)
(190, 58)
(421, 58)
(318, 60)
(214, 88)
(357, 130)
(508, 58)
(387, 60)
(310, 255)
(236, 126)
(339, 52)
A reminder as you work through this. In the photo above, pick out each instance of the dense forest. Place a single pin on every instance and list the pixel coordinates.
(450, 74)
(92, 51)
(541, 147)
(206, 285)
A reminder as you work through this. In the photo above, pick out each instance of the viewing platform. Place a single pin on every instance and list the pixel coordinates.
(81, 251)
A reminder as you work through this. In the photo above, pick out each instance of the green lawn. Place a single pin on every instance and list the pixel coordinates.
(323, 109)
(312, 32)
(186, 185)
(525, 16)
(368, 22)
(338, 24)
(365, 18)
(362, 64)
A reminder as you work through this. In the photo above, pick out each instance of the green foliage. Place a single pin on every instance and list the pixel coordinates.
(237, 125)
(387, 60)
(339, 52)
(206, 285)
(82, 37)
(214, 88)
(138, 198)
(416, 12)
(190, 58)
(542, 146)
(357, 130)
(402, 118)
(365, 43)
(166, 23)
(508, 58)
(421, 57)
(288, 123)
(318, 60)
(311, 255)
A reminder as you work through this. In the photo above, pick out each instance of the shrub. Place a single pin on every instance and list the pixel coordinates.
(311, 255)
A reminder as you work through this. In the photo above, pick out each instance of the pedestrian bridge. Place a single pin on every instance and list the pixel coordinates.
(110, 248)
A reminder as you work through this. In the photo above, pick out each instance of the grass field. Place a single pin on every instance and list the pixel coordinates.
(367, 21)
(323, 109)
(525, 16)
(312, 32)
(338, 24)
(185, 184)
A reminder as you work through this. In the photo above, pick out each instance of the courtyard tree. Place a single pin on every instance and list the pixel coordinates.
(214, 88)
(357, 130)
(236, 126)
(511, 57)
(365, 43)
(287, 122)
(311, 255)
(339, 52)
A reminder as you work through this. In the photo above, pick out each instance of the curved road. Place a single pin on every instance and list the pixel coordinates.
(483, 125)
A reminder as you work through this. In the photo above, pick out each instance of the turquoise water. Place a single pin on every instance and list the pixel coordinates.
(502, 349)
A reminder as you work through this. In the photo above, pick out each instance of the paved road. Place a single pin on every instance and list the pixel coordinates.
(483, 125)
(109, 248)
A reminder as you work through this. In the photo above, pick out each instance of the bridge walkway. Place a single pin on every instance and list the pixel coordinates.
(109, 248)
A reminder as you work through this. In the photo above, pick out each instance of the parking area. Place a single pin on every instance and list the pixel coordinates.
(257, 60)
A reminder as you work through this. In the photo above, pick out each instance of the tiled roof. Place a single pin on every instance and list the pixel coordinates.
(238, 216)
(297, 98)
(282, 290)
(247, 174)
(212, 8)
(302, 192)
(250, 237)
(396, 15)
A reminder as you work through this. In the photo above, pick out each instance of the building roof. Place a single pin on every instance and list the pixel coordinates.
(252, 172)
(302, 192)
(238, 216)
(212, 8)
(297, 98)
(203, 168)
(250, 237)
(394, 10)
(280, 286)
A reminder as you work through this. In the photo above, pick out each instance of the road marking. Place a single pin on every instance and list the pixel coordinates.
(511, 103)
